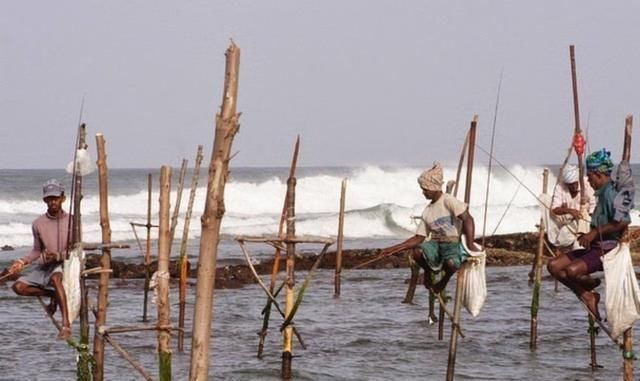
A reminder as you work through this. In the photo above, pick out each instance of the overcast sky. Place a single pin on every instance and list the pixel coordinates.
(362, 82)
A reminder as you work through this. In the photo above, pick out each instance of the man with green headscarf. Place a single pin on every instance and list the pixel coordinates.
(608, 222)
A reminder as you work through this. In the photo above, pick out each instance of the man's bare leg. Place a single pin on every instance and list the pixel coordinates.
(61, 298)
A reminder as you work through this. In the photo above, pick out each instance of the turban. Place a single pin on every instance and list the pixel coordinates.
(431, 179)
(600, 161)
(570, 174)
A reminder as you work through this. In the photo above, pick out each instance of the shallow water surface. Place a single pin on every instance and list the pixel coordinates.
(366, 334)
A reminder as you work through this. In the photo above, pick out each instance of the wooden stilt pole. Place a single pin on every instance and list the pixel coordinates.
(460, 276)
(164, 242)
(226, 127)
(533, 335)
(627, 344)
(276, 259)
(105, 260)
(340, 239)
(184, 260)
(290, 282)
(147, 253)
(176, 208)
(84, 356)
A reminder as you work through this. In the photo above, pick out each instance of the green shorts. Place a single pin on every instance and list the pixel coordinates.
(437, 253)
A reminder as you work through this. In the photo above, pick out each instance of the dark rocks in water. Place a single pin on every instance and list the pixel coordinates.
(502, 250)
(6, 248)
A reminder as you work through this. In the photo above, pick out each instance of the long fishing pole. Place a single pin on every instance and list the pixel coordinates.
(493, 135)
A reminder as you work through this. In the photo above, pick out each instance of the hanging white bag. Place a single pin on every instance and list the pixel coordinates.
(71, 282)
(474, 285)
(622, 291)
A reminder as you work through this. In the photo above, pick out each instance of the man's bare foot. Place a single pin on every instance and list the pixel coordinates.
(590, 300)
(52, 307)
(64, 333)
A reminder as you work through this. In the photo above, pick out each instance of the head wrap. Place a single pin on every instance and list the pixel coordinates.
(600, 161)
(431, 179)
(570, 174)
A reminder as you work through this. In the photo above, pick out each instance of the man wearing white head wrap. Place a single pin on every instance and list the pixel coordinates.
(443, 221)
(566, 205)
(570, 174)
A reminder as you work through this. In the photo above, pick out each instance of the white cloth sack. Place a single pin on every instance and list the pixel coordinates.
(622, 291)
(474, 284)
(84, 164)
(71, 282)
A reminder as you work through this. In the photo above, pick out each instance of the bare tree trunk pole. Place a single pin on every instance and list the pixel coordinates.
(338, 273)
(533, 335)
(105, 260)
(164, 249)
(176, 209)
(184, 260)
(226, 127)
(147, 254)
(627, 344)
(460, 277)
(77, 237)
(290, 283)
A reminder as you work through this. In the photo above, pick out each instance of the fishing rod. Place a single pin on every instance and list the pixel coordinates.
(493, 135)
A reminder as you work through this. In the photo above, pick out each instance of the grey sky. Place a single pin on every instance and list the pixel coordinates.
(362, 82)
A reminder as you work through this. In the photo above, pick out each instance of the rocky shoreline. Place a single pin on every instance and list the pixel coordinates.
(516, 249)
(502, 250)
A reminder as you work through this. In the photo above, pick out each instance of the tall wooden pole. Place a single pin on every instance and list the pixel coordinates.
(290, 283)
(338, 273)
(164, 242)
(84, 357)
(176, 209)
(184, 259)
(275, 269)
(226, 127)
(147, 253)
(105, 260)
(460, 277)
(628, 355)
(533, 335)
(576, 113)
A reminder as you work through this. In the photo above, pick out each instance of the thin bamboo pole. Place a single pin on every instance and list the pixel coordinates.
(176, 209)
(627, 344)
(84, 356)
(338, 273)
(147, 253)
(184, 260)
(290, 282)
(576, 113)
(533, 335)
(164, 249)
(276, 259)
(105, 260)
(136, 365)
(460, 277)
(226, 127)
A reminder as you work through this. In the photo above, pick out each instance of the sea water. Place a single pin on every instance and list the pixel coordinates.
(367, 334)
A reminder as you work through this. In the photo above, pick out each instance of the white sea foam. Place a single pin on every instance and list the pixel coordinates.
(380, 203)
